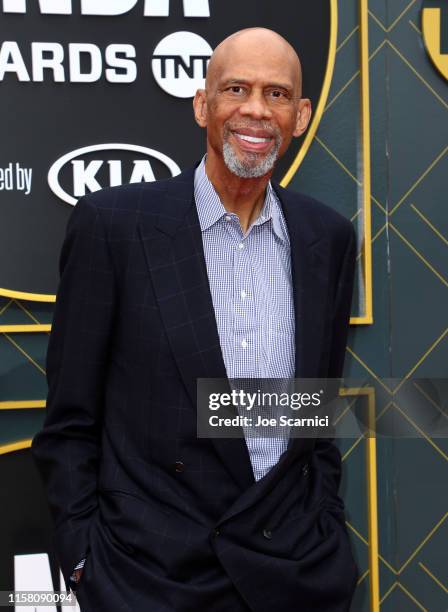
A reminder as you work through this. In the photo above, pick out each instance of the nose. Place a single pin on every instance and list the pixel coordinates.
(256, 106)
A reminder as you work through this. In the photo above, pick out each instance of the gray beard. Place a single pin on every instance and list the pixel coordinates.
(252, 167)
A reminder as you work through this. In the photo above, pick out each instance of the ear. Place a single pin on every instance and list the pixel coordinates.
(200, 107)
(303, 116)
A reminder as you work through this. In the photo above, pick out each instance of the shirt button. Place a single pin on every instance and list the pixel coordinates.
(243, 294)
(244, 343)
(228, 218)
(241, 246)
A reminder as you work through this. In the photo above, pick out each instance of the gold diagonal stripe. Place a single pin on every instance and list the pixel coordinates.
(364, 541)
(428, 222)
(403, 12)
(379, 232)
(423, 542)
(380, 23)
(384, 410)
(366, 367)
(357, 73)
(377, 235)
(412, 24)
(429, 398)
(363, 577)
(378, 203)
(20, 305)
(412, 597)
(344, 167)
(356, 532)
(394, 23)
(421, 432)
(357, 213)
(417, 74)
(352, 448)
(26, 311)
(363, 436)
(420, 256)
(341, 91)
(436, 580)
(25, 354)
(422, 358)
(344, 412)
(347, 38)
(388, 592)
(419, 180)
(338, 161)
(6, 306)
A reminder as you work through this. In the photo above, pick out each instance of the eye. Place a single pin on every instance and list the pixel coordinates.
(236, 90)
(279, 94)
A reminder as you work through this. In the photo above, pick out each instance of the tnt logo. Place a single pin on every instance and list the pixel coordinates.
(179, 63)
(435, 32)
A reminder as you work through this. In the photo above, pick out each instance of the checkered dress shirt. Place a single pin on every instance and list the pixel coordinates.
(250, 282)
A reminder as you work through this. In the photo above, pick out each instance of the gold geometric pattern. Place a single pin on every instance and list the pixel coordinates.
(405, 216)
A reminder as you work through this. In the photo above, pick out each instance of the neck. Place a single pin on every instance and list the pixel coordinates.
(242, 196)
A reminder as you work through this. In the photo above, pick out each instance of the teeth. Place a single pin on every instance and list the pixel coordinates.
(252, 138)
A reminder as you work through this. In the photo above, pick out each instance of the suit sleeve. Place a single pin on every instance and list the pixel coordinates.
(328, 455)
(67, 449)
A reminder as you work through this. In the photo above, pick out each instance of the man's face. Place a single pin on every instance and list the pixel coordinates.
(252, 109)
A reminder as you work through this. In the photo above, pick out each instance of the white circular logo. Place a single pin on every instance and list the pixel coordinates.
(85, 172)
(179, 63)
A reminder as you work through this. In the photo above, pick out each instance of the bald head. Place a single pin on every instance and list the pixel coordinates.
(251, 43)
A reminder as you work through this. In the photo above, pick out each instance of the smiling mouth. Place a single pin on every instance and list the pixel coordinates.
(253, 144)
(254, 139)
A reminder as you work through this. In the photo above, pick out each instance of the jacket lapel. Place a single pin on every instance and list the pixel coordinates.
(309, 264)
(175, 258)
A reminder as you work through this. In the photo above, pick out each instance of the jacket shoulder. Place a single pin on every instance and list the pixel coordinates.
(144, 196)
(127, 197)
(316, 211)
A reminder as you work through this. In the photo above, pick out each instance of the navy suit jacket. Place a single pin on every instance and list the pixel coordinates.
(170, 522)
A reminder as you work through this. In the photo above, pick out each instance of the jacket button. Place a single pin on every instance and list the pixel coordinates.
(305, 469)
(216, 532)
(179, 466)
(267, 534)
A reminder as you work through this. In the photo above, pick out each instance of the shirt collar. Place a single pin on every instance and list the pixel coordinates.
(211, 209)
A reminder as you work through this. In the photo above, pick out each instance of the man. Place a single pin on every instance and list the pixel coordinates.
(216, 273)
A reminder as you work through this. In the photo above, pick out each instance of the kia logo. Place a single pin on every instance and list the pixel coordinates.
(87, 174)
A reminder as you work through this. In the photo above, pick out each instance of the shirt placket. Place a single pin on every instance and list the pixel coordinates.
(243, 306)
